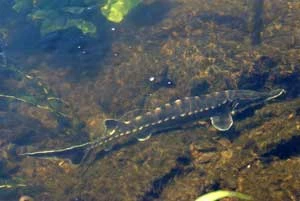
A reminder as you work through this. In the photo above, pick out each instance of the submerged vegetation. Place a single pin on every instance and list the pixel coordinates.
(63, 14)
(116, 10)
(34, 92)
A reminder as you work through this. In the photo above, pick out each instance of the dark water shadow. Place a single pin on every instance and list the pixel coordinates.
(69, 48)
(257, 22)
(159, 184)
(150, 14)
(232, 22)
(284, 150)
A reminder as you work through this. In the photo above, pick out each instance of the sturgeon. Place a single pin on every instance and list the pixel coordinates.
(218, 107)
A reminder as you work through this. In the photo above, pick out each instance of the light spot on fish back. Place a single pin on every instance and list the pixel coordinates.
(183, 114)
(112, 132)
(157, 110)
(178, 102)
(138, 118)
(168, 105)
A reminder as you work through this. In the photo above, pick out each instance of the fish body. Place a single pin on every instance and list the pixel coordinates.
(218, 107)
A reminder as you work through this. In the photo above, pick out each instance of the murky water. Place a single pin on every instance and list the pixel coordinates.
(67, 66)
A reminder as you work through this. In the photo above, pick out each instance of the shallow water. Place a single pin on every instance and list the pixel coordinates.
(58, 87)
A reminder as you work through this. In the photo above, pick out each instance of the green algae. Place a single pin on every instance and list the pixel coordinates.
(55, 16)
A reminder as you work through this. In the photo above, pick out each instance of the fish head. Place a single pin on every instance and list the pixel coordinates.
(244, 99)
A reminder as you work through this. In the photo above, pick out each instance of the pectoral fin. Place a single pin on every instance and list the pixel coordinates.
(222, 122)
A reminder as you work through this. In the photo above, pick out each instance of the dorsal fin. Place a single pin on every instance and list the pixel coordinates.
(111, 123)
(113, 127)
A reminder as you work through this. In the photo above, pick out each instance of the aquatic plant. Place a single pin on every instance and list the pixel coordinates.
(12, 183)
(8, 186)
(37, 94)
(54, 15)
(216, 195)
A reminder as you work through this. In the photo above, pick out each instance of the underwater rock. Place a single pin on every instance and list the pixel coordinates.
(232, 22)
(199, 87)
(252, 80)
(265, 61)
(257, 77)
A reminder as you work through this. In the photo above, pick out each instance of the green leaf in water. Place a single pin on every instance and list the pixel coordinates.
(116, 10)
(52, 25)
(84, 26)
(61, 23)
(74, 10)
(43, 14)
(22, 5)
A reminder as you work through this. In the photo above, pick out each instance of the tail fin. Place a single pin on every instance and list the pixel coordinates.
(79, 153)
(74, 153)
